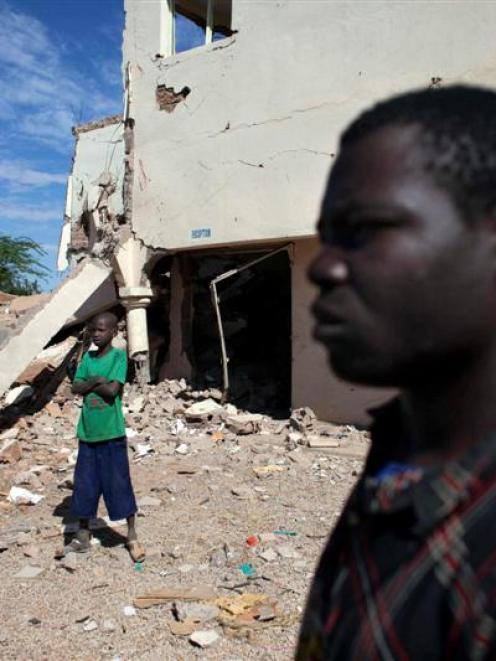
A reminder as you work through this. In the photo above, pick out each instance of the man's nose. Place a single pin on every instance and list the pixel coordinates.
(329, 268)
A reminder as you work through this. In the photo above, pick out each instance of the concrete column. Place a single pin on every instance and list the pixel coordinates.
(136, 300)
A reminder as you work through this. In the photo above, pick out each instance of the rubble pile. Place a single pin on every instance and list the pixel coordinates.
(234, 510)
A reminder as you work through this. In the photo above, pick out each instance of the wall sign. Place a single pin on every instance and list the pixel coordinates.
(201, 233)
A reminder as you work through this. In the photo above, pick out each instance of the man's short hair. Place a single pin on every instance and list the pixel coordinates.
(457, 135)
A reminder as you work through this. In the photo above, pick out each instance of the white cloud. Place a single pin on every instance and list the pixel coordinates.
(26, 213)
(19, 173)
(42, 91)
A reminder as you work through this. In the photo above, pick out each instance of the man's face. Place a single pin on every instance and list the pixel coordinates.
(407, 289)
(101, 331)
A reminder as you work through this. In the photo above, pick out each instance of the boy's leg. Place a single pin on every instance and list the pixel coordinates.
(85, 496)
(118, 492)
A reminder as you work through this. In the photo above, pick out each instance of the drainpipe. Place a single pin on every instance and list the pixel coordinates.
(216, 303)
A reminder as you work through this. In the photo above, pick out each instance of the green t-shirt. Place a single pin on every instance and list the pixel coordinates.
(100, 421)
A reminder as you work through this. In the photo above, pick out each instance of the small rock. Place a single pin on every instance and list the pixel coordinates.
(90, 625)
(23, 539)
(182, 449)
(218, 558)
(129, 611)
(29, 571)
(137, 404)
(70, 562)
(109, 625)
(269, 555)
(208, 409)
(242, 491)
(204, 638)
(266, 614)
(32, 551)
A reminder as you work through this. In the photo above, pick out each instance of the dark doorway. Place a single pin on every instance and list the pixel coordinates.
(256, 317)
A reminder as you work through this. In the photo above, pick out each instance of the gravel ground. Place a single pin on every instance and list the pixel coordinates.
(196, 512)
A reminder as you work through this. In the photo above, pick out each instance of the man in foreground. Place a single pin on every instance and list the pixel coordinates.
(407, 280)
(102, 466)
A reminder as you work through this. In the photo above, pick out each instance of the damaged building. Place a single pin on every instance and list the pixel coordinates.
(200, 202)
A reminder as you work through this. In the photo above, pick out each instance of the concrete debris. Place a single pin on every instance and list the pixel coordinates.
(245, 423)
(195, 531)
(206, 410)
(303, 420)
(322, 442)
(195, 612)
(10, 451)
(20, 496)
(18, 395)
(204, 638)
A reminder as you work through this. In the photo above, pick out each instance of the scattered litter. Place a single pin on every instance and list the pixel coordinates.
(252, 541)
(248, 569)
(283, 531)
(20, 496)
(139, 567)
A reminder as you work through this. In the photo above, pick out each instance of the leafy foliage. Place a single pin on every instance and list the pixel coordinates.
(20, 266)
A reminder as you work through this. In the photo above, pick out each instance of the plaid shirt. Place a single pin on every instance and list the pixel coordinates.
(410, 570)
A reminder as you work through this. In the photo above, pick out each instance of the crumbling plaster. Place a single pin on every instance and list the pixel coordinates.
(246, 154)
(96, 183)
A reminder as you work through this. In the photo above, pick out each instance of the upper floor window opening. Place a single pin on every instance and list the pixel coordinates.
(188, 24)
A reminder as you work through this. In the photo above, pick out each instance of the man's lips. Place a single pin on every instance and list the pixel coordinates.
(329, 324)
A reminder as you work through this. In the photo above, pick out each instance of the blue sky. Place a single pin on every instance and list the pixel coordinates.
(60, 65)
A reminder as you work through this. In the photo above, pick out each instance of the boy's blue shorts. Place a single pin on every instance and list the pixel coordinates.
(102, 468)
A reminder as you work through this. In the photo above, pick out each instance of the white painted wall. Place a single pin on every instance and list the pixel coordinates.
(247, 153)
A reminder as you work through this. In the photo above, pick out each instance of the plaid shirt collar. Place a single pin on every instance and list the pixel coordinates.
(423, 497)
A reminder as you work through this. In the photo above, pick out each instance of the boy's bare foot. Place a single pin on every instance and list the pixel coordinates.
(136, 550)
(81, 542)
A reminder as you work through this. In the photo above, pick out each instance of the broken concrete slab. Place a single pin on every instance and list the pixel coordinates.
(18, 394)
(20, 349)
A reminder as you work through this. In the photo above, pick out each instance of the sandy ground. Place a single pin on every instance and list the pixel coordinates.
(196, 512)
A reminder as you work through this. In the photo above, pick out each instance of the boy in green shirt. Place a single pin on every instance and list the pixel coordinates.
(102, 466)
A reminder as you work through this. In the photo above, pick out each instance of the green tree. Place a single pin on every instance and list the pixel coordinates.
(20, 266)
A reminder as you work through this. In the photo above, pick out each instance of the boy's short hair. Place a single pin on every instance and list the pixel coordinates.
(110, 318)
(458, 136)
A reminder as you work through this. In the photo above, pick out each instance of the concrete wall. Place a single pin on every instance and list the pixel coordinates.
(97, 151)
(246, 153)
(313, 383)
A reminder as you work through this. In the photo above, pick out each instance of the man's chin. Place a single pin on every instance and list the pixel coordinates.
(360, 372)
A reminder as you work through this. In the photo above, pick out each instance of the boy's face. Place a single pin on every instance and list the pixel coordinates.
(101, 331)
(407, 289)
